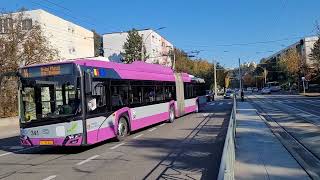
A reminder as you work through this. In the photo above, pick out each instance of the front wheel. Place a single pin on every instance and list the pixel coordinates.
(123, 129)
(171, 114)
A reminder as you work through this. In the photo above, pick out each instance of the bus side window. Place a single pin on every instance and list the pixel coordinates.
(119, 94)
(99, 94)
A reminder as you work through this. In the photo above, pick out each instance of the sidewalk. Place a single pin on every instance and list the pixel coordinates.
(311, 94)
(259, 154)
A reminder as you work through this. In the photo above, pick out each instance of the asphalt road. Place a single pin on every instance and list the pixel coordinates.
(189, 148)
(299, 116)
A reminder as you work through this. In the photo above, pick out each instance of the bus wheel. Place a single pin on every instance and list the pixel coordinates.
(123, 129)
(171, 114)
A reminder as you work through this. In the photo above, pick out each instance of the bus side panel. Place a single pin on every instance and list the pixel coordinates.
(190, 105)
(100, 128)
(148, 115)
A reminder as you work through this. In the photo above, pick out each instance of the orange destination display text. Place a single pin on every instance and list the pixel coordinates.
(50, 71)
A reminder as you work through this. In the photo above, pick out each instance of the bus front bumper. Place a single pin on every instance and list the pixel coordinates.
(71, 140)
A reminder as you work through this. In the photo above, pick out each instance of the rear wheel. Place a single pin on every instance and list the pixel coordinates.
(123, 129)
(171, 114)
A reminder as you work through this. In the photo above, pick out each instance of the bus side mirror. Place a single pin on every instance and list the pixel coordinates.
(88, 82)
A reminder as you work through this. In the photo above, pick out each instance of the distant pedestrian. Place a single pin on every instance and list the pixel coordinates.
(242, 95)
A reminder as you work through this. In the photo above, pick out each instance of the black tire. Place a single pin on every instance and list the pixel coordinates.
(122, 129)
(171, 114)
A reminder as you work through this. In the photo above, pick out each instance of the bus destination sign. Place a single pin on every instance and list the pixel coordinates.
(43, 71)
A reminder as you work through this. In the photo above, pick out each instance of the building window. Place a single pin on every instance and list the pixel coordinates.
(6, 25)
(1, 25)
(27, 24)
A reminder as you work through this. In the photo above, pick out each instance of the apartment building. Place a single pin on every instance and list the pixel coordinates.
(71, 40)
(157, 47)
(303, 47)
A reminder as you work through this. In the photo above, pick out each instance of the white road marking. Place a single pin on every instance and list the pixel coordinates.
(16, 151)
(87, 160)
(152, 129)
(50, 177)
(116, 146)
(211, 104)
(220, 103)
(138, 136)
(162, 124)
(229, 103)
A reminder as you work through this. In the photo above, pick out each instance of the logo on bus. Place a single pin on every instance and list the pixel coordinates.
(45, 131)
(133, 114)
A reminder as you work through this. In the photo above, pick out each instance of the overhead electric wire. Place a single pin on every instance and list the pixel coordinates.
(49, 7)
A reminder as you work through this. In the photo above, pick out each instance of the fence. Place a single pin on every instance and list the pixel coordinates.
(226, 170)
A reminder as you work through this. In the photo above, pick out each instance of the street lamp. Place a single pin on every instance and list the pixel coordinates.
(142, 42)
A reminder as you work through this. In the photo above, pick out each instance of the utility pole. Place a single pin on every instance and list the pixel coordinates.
(240, 76)
(215, 77)
(265, 76)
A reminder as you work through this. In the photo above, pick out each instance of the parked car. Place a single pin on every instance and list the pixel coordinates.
(255, 89)
(209, 95)
(249, 89)
(228, 94)
(266, 91)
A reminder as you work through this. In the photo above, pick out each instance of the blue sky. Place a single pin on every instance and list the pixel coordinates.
(222, 30)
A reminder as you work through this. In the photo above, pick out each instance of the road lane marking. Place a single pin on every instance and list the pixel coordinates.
(15, 151)
(138, 136)
(162, 124)
(50, 177)
(116, 146)
(152, 129)
(220, 103)
(211, 104)
(229, 103)
(87, 160)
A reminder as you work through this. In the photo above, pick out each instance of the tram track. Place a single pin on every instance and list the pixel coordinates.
(296, 146)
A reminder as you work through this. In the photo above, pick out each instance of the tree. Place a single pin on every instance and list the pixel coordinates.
(132, 47)
(315, 52)
(22, 43)
(291, 64)
(97, 38)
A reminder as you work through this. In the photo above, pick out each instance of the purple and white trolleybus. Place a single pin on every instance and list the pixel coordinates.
(83, 102)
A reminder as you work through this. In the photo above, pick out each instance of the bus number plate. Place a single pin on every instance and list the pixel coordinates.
(49, 142)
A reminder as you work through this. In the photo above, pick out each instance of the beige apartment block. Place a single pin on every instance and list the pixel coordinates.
(71, 40)
(157, 47)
